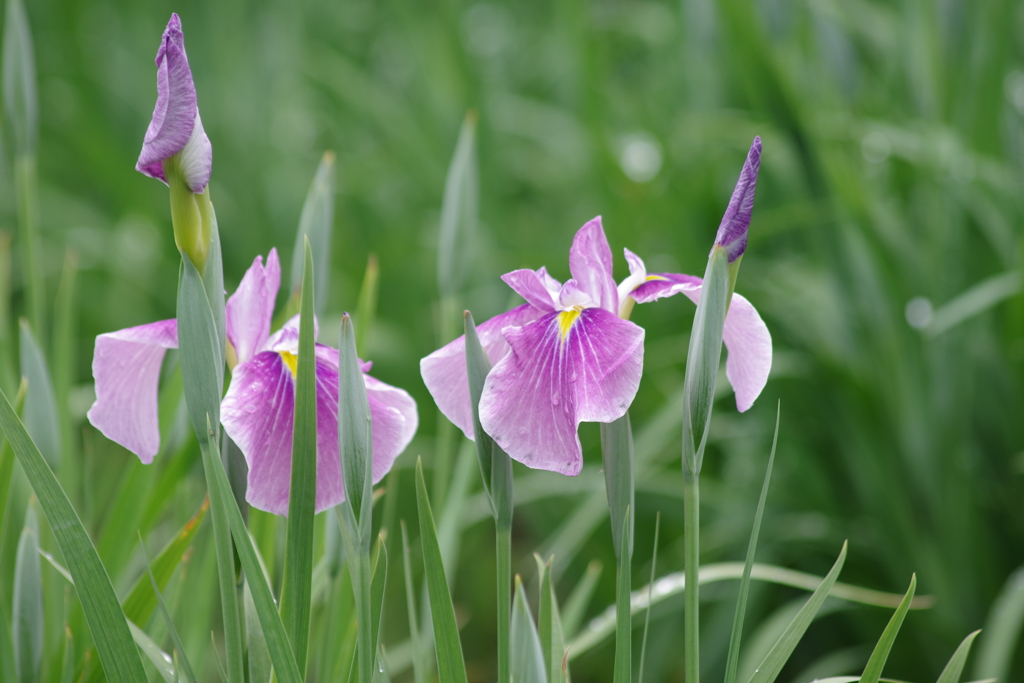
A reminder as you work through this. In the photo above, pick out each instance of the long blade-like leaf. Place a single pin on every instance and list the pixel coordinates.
(784, 646)
(418, 665)
(650, 587)
(873, 669)
(40, 412)
(450, 665)
(27, 613)
(527, 658)
(103, 613)
(579, 598)
(458, 212)
(354, 437)
(1002, 630)
(160, 660)
(377, 583)
(549, 625)
(298, 559)
(955, 666)
(732, 663)
(184, 668)
(315, 225)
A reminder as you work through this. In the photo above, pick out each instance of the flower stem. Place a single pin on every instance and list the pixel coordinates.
(503, 533)
(623, 607)
(691, 555)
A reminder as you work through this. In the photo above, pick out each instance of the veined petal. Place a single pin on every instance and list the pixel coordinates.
(551, 284)
(196, 158)
(563, 369)
(287, 338)
(444, 371)
(732, 233)
(394, 421)
(174, 121)
(250, 309)
(660, 285)
(126, 367)
(530, 285)
(590, 262)
(748, 342)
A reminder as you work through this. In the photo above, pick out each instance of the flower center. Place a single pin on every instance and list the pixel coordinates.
(566, 319)
(291, 360)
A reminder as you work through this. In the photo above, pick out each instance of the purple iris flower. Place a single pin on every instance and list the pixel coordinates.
(568, 356)
(176, 128)
(258, 410)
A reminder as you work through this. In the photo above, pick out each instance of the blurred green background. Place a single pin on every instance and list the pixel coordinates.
(890, 187)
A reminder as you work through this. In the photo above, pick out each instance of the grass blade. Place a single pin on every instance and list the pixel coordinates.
(377, 583)
(315, 226)
(650, 588)
(160, 660)
(458, 212)
(103, 613)
(28, 603)
(183, 666)
(418, 665)
(1002, 630)
(955, 667)
(298, 558)
(7, 462)
(366, 309)
(67, 667)
(579, 599)
(63, 366)
(259, 657)
(7, 378)
(527, 659)
(783, 648)
(732, 663)
(552, 638)
(40, 413)
(617, 456)
(450, 665)
(873, 669)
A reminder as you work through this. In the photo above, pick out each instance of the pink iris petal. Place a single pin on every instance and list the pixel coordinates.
(444, 371)
(250, 309)
(536, 396)
(590, 262)
(258, 413)
(126, 367)
(531, 285)
(732, 233)
(175, 125)
(551, 284)
(745, 335)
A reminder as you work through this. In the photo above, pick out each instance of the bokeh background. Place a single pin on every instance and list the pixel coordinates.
(884, 256)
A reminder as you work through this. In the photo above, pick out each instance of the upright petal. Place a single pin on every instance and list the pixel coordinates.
(732, 233)
(175, 121)
(250, 309)
(660, 285)
(444, 371)
(747, 340)
(394, 421)
(531, 285)
(590, 262)
(563, 369)
(126, 367)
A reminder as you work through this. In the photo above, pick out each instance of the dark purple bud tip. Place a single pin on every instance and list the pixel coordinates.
(732, 233)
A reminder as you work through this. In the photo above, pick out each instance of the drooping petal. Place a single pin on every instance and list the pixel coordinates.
(563, 369)
(732, 233)
(747, 340)
(394, 421)
(287, 338)
(126, 367)
(637, 276)
(660, 285)
(444, 371)
(530, 285)
(250, 309)
(175, 123)
(590, 262)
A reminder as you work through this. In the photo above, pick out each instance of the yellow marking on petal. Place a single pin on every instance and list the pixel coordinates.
(655, 277)
(291, 360)
(566, 319)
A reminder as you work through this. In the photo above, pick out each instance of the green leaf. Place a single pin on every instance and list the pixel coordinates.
(549, 625)
(418, 665)
(258, 656)
(617, 456)
(21, 101)
(273, 628)
(7, 379)
(377, 583)
(160, 660)
(732, 662)
(776, 658)
(28, 603)
(458, 212)
(63, 365)
(7, 460)
(200, 346)
(955, 667)
(1002, 630)
(67, 666)
(623, 607)
(974, 301)
(184, 667)
(354, 442)
(141, 600)
(40, 411)
(298, 558)
(528, 664)
(703, 358)
(107, 623)
(366, 309)
(650, 589)
(579, 598)
(873, 669)
(315, 226)
(450, 665)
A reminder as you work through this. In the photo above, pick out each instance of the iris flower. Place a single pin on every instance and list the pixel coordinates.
(258, 410)
(568, 355)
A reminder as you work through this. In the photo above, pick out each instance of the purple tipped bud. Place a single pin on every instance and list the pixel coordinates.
(732, 233)
(176, 128)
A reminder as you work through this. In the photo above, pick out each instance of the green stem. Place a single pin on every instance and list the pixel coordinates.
(25, 179)
(364, 620)
(503, 541)
(623, 621)
(691, 555)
